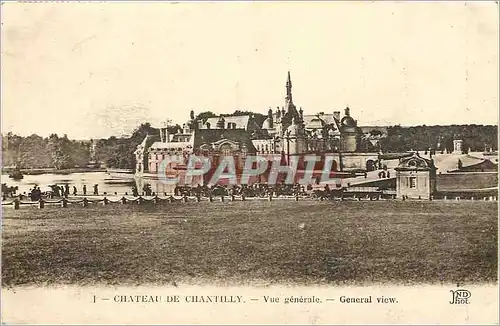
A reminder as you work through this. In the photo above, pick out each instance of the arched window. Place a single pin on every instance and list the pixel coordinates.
(225, 150)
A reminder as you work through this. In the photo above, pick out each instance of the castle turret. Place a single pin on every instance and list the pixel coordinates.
(349, 139)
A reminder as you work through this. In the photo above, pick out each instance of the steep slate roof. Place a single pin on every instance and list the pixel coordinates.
(327, 118)
(170, 145)
(241, 121)
(208, 136)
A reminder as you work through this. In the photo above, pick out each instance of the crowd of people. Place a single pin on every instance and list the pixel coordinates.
(254, 190)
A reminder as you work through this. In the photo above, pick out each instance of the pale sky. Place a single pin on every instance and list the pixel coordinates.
(92, 70)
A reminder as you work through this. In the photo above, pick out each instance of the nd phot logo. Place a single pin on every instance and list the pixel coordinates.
(460, 296)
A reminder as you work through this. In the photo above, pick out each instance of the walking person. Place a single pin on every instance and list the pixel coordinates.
(96, 190)
(74, 190)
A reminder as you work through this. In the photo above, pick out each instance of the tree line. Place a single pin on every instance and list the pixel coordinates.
(37, 152)
(475, 138)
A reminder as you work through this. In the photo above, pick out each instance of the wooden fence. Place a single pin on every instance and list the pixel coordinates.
(155, 200)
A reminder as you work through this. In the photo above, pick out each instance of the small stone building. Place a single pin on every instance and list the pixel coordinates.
(416, 177)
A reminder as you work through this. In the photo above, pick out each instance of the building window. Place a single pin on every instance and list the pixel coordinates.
(413, 182)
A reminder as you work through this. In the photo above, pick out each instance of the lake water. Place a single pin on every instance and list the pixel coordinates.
(105, 182)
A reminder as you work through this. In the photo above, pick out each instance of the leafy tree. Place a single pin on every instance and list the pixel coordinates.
(33, 153)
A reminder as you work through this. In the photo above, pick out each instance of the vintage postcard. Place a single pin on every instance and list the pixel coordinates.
(260, 162)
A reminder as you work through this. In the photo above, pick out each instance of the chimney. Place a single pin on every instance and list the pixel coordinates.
(336, 115)
(270, 117)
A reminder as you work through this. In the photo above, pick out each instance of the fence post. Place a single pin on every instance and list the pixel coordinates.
(17, 203)
(210, 198)
(124, 200)
(105, 201)
(198, 198)
(185, 199)
(221, 198)
(41, 204)
(156, 200)
(64, 203)
(242, 197)
(85, 202)
(232, 197)
(170, 199)
(296, 197)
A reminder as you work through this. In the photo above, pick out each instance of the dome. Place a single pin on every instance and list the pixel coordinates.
(267, 124)
(348, 121)
(316, 123)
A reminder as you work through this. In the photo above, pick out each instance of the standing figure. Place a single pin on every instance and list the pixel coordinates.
(96, 191)
(84, 190)
(74, 190)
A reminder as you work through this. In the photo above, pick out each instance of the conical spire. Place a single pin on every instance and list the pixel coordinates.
(289, 106)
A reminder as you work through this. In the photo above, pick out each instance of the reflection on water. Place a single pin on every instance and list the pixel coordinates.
(106, 183)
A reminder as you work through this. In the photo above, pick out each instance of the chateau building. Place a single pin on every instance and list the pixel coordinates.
(286, 131)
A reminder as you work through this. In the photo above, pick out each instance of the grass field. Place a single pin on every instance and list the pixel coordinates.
(254, 243)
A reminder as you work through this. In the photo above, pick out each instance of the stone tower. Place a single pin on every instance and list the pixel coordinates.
(349, 138)
(292, 131)
(457, 146)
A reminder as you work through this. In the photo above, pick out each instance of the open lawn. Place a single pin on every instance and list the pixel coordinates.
(253, 242)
